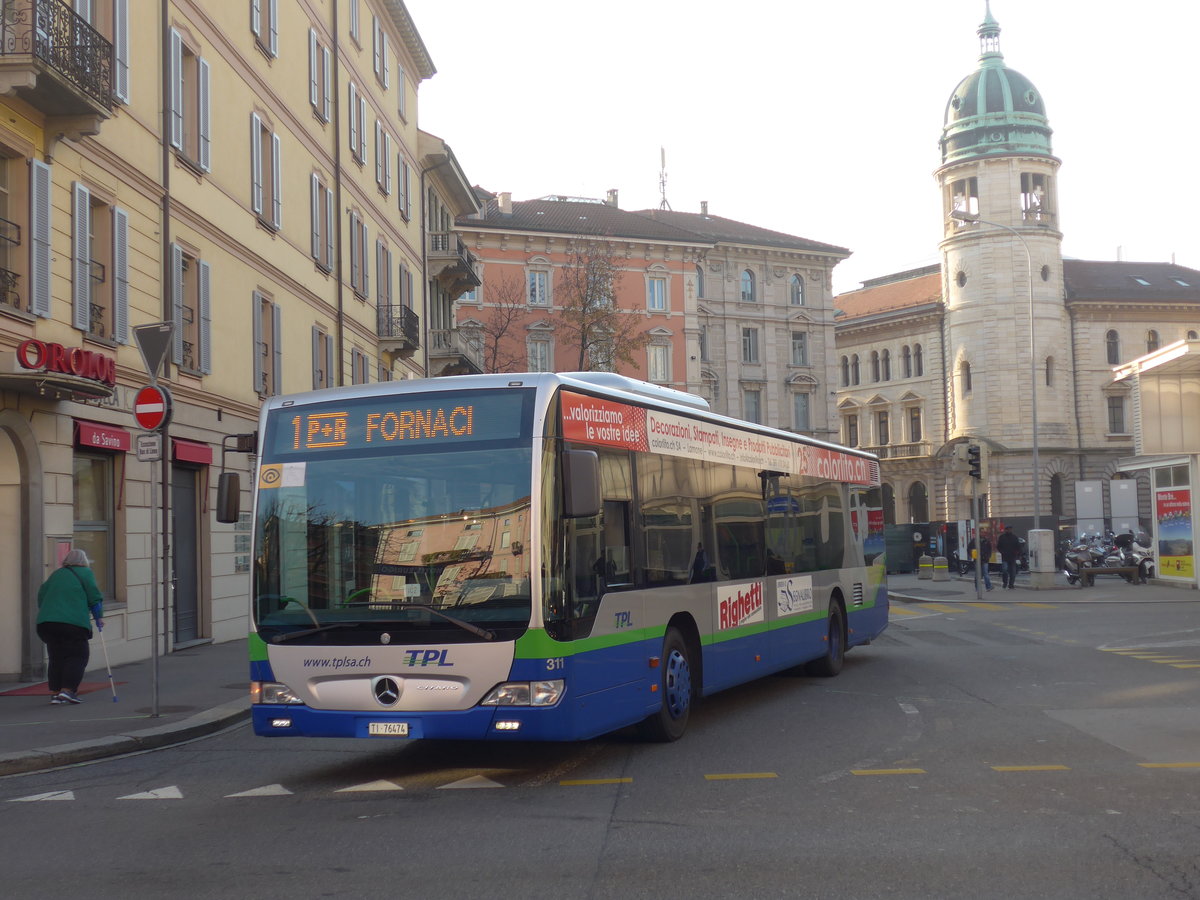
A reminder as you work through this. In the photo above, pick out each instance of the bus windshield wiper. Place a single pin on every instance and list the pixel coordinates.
(468, 626)
(280, 638)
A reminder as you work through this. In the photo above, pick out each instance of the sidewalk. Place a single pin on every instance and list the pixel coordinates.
(200, 690)
(1107, 589)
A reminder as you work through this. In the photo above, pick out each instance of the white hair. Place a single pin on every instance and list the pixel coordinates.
(76, 557)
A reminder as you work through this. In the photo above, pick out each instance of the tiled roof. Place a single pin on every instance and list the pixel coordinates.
(1087, 279)
(720, 229)
(578, 217)
(890, 295)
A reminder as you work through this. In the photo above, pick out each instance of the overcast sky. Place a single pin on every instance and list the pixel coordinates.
(816, 118)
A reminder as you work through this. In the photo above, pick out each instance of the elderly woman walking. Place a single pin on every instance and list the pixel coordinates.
(68, 601)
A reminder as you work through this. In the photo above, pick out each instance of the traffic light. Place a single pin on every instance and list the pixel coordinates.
(974, 462)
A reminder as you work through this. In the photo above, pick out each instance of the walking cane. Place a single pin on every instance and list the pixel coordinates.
(112, 684)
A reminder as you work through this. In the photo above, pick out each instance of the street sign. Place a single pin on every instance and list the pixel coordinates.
(149, 447)
(152, 407)
(153, 341)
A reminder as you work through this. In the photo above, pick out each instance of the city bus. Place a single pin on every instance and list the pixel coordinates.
(543, 557)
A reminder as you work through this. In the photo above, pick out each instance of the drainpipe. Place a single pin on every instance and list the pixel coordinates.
(339, 324)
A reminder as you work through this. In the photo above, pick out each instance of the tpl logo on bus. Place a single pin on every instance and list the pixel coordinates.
(414, 658)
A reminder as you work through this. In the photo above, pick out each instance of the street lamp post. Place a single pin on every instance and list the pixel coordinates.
(961, 216)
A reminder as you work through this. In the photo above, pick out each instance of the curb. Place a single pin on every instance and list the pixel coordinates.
(203, 723)
(910, 598)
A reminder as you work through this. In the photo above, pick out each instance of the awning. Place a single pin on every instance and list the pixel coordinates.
(95, 436)
(191, 452)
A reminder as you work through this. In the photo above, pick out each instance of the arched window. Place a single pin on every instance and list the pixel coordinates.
(886, 362)
(918, 502)
(964, 376)
(699, 281)
(906, 361)
(747, 286)
(1049, 371)
(889, 503)
(874, 365)
(1151, 341)
(854, 369)
(845, 371)
(1056, 495)
(797, 290)
(1112, 347)
(1191, 336)
(918, 361)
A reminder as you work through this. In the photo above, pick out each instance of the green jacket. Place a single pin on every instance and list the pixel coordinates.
(63, 597)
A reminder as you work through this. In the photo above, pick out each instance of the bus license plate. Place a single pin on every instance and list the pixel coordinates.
(389, 729)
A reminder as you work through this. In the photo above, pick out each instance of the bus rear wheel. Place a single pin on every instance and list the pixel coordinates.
(671, 720)
(835, 644)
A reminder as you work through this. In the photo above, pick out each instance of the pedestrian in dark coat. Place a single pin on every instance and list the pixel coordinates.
(1009, 546)
(985, 555)
(68, 602)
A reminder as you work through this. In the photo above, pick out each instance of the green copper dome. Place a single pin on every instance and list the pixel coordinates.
(994, 111)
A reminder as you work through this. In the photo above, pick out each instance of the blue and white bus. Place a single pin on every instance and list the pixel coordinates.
(543, 557)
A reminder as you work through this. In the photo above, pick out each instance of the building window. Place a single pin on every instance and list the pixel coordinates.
(320, 77)
(356, 111)
(1056, 495)
(264, 24)
(854, 369)
(658, 359)
(1151, 341)
(699, 281)
(538, 350)
(704, 343)
(802, 412)
(1112, 347)
(1035, 197)
(850, 431)
(752, 405)
(906, 362)
(881, 427)
(383, 279)
(539, 288)
(914, 424)
(189, 113)
(749, 345)
(360, 367)
(748, 295)
(12, 226)
(1049, 371)
(268, 346)
(918, 361)
(381, 53)
(359, 260)
(845, 371)
(321, 221)
(1191, 336)
(656, 294)
(190, 302)
(875, 365)
(383, 158)
(94, 516)
(796, 291)
(402, 93)
(265, 175)
(918, 502)
(1116, 415)
(885, 362)
(964, 197)
(799, 348)
(405, 183)
(100, 264)
(322, 358)
(964, 375)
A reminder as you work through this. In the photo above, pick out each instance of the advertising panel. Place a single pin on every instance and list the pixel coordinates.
(1173, 510)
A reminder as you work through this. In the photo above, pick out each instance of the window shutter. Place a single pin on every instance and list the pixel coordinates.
(353, 107)
(315, 209)
(386, 271)
(120, 226)
(274, 26)
(39, 223)
(376, 34)
(256, 316)
(313, 72)
(366, 260)
(276, 183)
(329, 228)
(327, 61)
(277, 339)
(203, 275)
(256, 18)
(176, 90)
(387, 75)
(379, 162)
(81, 240)
(177, 302)
(317, 375)
(387, 156)
(204, 116)
(329, 380)
(362, 128)
(121, 50)
(256, 160)
(379, 268)
(354, 279)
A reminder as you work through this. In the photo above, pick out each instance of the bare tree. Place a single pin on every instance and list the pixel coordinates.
(502, 311)
(587, 287)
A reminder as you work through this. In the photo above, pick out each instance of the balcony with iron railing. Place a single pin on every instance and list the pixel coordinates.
(57, 63)
(399, 330)
(454, 352)
(911, 450)
(451, 263)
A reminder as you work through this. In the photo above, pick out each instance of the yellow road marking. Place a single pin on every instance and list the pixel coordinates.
(1184, 765)
(737, 776)
(1185, 665)
(579, 781)
(990, 606)
(900, 610)
(1039, 605)
(888, 772)
(1031, 768)
(941, 607)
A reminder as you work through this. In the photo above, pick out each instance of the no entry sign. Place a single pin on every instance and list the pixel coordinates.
(152, 407)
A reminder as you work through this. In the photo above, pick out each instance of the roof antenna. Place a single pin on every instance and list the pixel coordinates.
(662, 180)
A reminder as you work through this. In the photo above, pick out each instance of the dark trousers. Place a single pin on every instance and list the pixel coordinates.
(67, 647)
(1008, 568)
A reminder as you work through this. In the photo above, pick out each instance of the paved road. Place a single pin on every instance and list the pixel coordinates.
(976, 750)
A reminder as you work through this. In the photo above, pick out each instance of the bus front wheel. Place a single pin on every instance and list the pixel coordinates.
(835, 644)
(675, 686)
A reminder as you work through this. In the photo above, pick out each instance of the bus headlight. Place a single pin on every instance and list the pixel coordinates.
(525, 693)
(272, 692)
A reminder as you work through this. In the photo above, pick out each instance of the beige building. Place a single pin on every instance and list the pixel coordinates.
(275, 202)
(1005, 344)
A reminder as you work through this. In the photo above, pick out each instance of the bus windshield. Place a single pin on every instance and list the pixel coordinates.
(425, 542)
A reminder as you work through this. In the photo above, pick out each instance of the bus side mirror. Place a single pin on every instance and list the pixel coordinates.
(229, 497)
(581, 483)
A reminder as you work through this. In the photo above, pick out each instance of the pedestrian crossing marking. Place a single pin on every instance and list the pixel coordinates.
(1031, 768)
(738, 776)
(49, 795)
(381, 785)
(888, 772)
(475, 781)
(269, 790)
(577, 782)
(164, 793)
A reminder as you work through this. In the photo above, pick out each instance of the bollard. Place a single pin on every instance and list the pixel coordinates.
(925, 567)
(941, 569)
